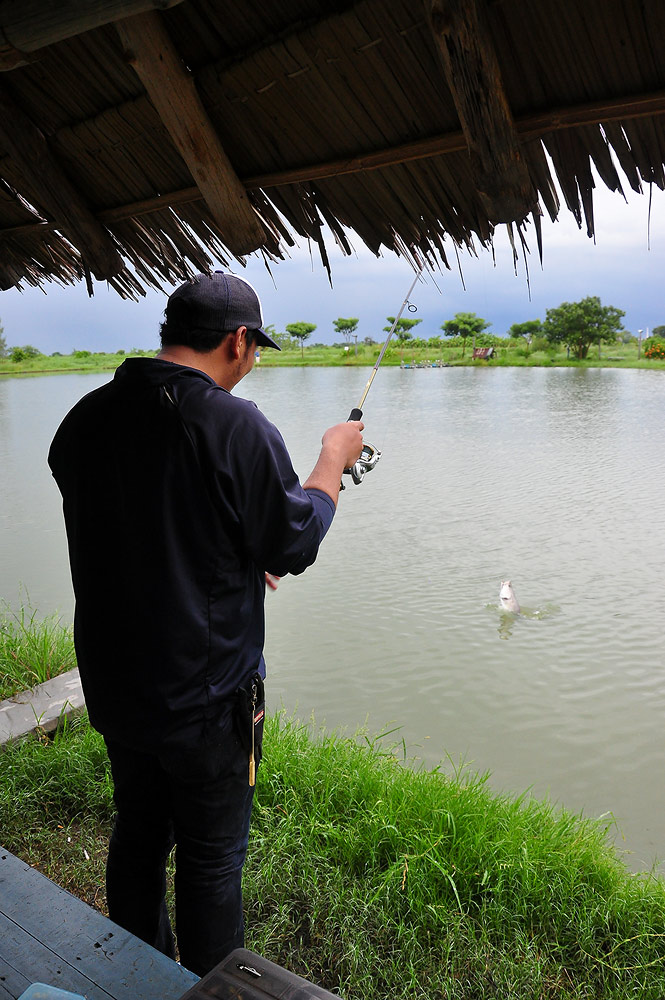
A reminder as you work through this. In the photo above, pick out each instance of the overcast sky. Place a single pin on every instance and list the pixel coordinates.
(625, 267)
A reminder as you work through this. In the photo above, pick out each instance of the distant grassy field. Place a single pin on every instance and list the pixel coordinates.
(78, 361)
(450, 352)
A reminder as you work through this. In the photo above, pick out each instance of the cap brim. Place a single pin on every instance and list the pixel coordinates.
(264, 340)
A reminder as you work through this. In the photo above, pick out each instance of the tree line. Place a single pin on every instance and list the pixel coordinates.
(575, 325)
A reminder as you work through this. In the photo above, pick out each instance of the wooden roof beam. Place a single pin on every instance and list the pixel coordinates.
(474, 78)
(31, 25)
(49, 188)
(173, 93)
(529, 127)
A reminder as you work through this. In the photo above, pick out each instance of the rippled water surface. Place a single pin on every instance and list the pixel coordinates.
(551, 478)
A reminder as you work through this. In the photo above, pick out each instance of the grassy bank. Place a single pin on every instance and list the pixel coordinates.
(32, 649)
(378, 880)
(77, 361)
(447, 352)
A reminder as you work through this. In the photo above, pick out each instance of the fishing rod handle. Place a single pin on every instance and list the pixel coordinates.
(355, 414)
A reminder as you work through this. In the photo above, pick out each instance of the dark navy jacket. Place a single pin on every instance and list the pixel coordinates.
(177, 496)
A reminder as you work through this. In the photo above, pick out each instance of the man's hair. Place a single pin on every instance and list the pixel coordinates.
(176, 330)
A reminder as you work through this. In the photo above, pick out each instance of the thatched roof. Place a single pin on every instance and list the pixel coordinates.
(140, 144)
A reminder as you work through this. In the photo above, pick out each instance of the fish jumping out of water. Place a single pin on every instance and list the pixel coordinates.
(507, 597)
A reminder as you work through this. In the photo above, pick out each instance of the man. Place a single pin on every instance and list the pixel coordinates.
(179, 501)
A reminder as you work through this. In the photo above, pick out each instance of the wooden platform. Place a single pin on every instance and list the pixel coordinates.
(49, 936)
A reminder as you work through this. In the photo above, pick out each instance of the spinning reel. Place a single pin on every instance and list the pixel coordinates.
(369, 456)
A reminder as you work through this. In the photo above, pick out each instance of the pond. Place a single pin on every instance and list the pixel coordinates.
(550, 478)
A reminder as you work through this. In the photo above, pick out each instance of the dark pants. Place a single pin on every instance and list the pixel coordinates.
(201, 801)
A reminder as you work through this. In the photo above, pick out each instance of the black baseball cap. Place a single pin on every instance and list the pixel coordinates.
(218, 303)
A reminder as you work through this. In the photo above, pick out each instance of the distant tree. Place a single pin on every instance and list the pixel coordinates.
(3, 342)
(282, 339)
(659, 332)
(529, 329)
(301, 331)
(580, 324)
(369, 341)
(402, 330)
(465, 325)
(347, 327)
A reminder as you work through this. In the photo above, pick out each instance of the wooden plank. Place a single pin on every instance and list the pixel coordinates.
(30, 25)
(12, 982)
(173, 92)
(474, 78)
(24, 960)
(47, 935)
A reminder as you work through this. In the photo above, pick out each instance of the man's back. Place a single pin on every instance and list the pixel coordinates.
(177, 496)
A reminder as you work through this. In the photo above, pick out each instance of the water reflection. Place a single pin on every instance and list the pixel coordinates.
(506, 622)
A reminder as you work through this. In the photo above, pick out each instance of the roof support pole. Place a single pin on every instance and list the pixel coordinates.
(48, 187)
(474, 78)
(173, 93)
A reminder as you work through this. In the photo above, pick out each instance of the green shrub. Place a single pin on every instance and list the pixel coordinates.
(23, 353)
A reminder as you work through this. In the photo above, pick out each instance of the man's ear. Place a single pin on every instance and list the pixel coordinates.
(237, 342)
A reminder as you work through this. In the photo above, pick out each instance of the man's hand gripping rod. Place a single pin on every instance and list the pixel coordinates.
(370, 455)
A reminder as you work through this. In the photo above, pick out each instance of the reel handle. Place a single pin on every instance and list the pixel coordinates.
(355, 414)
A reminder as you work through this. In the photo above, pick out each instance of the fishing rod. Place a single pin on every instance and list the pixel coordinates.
(370, 455)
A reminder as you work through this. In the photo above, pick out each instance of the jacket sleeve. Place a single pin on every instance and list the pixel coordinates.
(282, 524)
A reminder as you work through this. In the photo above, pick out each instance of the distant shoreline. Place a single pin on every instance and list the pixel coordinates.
(451, 354)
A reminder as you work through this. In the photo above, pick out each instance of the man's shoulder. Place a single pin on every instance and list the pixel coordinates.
(205, 395)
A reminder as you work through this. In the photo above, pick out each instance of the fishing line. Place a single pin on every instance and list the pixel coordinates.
(370, 455)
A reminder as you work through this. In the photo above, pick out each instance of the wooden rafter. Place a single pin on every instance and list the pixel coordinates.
(29, 26)
(172, 90)
(474, 79)
(528, 127)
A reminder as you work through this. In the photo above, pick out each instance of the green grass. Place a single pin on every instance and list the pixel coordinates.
(508, 353)
(381, 881)
(78, 361)
(32, 649)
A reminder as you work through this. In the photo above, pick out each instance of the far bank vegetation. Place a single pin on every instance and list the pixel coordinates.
(584, 333)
